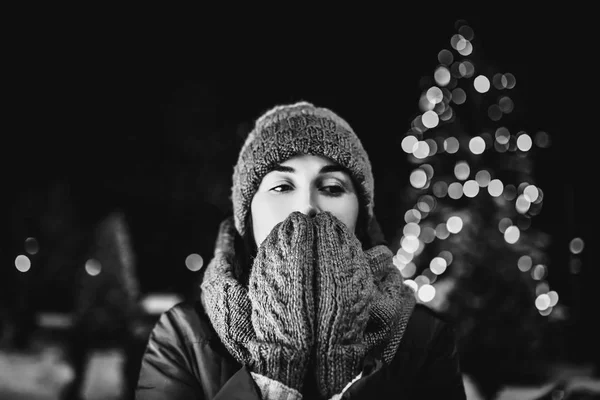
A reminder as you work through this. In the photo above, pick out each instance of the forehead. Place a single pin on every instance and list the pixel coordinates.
(308, 160)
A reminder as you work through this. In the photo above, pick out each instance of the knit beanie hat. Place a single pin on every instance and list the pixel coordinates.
(289, 130)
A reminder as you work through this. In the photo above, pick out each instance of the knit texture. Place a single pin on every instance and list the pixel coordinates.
(269, 325)
(359, 308)
(289, 130)
(344, 291)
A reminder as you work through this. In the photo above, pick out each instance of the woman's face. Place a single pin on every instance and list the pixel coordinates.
(305, 183)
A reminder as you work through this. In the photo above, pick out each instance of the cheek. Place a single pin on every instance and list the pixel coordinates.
(265, 215)
(346, 210)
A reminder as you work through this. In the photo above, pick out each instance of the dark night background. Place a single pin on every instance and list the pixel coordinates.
(146, 117)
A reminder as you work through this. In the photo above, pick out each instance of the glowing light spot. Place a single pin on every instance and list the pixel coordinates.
(504, 223)
(418, 178)
(31, 245)
(426, 293)
(510, 80)
(446, 255)
(531, 193)
(440, 189)
(426, 203)
(427, 234)
(462, 170)
(466, 69)
(506, 104)
(511, 235)
(434, 95)
(459, 96)
(411, 284)
(409, 270)
(542, 302)
(455, 190)
(442, 76)
(522, 204)
(499, 81)
(404, 256)
(411, 229)
(194, 262)
(425, 104)
(542, 288)
(93, 267)
(481, 84)
(524, 264)
(502, 135)
(576, 245)
(441, 231)
(412, 215)
(410, 244)
(422, 280)
(445, 57)
(438, 265)
(451, 145)
(409, 144)
(477, 145)
(467, 32)
(454, 224)
(422, 150)
(510, 192)
(471, 188)
(538, 272)
(542, 140)
(467, 49)
(553, 298)
(430, 119)
(432, 146)
(524, 142)
(495, 188)
(483, 178)
(23, 263)
(428, 169)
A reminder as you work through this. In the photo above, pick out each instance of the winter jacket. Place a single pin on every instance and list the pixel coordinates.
(185, 359)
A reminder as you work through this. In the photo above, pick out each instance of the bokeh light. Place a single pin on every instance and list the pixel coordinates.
(524, 263)
(576, 245)
(409, 144)
(462, 170)
(438, 265)
(454, 224)
(512, 234)
(471, 188)
(455, 190)
(31, 245)
(451, 145)
(426, 293)
(22, 263)
(194, 262)
(481, 84)
(93, 267)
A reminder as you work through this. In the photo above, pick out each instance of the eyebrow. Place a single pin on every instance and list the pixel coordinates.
(324, 170)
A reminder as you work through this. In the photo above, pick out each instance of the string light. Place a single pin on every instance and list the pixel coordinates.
(457, 80)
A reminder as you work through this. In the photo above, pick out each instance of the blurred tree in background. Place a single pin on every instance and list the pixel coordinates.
(468, 242)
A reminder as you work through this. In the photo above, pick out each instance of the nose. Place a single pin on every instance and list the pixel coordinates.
(309, 205)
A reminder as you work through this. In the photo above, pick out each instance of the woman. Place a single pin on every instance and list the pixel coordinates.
(301, 299)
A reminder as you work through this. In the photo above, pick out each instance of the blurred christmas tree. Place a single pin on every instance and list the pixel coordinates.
(467, 243)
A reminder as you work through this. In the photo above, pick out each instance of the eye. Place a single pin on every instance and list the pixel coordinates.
(334, 190)
(282, 188)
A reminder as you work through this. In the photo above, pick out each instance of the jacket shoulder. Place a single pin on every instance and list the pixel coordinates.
(189, 321)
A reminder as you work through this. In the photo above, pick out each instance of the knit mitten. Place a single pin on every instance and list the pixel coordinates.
(344, 287)
(281, 294)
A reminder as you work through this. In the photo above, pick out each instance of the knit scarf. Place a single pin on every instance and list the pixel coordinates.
(226, 301)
